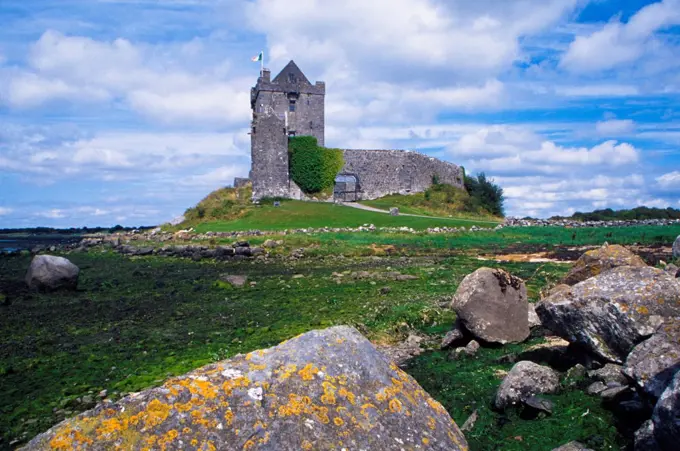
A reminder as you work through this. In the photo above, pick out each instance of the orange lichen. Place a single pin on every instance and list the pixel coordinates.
(229, 417)
(249, 444)
(68, 440)
(287, 371)
(426, 440)
(431, 423)
(254, 367)
(347, 395)
(338, 421)
(395, 405)
(156, 413)
(328, 396)
(308, 372)
(306, 445)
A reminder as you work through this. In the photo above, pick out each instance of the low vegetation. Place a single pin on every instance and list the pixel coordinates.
(136, 321)
(224, 203)
(638, 213)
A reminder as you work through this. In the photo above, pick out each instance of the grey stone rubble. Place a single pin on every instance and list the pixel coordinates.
(518, 222)
(676, 247)
(524, 380)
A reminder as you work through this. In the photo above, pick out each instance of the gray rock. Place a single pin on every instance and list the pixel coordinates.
(49, 273)
(644, 438)
(452, 336)
(666, 416)
(534, 320)
(572, 446)
(609, 314)
(652, 363)
(321, 390)
(613, 393)
(492, 305)
(394, 211)
(596, 388)
(470, 422)
(524, 380)
(235, 281)
(539, 404)
(577, 371)
(672, 269)
(597, 261)
(608, 374)
(676, 247)
(472, 348)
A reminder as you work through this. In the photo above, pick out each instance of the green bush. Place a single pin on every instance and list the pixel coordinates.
(313, 168)
(485, 193)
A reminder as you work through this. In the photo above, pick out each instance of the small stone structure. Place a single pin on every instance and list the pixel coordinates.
(290, 105)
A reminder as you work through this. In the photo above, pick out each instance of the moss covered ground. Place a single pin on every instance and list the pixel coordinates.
(136, 321)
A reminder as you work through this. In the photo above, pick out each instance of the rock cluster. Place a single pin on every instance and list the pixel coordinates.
(324, 389)
(519, 222)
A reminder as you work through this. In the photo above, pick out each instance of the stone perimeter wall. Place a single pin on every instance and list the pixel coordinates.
(383, 172)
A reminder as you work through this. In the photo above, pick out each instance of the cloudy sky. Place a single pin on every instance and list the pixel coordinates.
(130, 111)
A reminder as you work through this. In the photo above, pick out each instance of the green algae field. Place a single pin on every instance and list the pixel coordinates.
(135, 321)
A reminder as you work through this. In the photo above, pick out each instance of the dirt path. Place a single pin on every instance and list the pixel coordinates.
(377, 210)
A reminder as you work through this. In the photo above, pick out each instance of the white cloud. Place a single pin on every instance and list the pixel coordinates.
(617, 44)
(81, 69)
(54, 213)
(597, 90)
(615, 127)
(669, 181)
(5, 211)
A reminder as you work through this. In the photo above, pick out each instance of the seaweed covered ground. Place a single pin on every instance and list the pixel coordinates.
(133, 322)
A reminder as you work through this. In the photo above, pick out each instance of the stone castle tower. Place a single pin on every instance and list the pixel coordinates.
(288, 105)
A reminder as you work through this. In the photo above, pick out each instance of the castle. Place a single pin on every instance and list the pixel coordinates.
(290, 105)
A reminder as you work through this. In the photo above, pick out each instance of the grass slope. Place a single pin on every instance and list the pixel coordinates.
(297, 214)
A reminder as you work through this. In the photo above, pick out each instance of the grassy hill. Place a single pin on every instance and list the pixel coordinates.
(439, 200)
(230, 209)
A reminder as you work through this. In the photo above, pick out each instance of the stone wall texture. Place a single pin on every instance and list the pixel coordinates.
(383, 172)
(269, 155)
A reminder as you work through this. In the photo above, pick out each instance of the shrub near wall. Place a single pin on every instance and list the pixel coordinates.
(313, 168)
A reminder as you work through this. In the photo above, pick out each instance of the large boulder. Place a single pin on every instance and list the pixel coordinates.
(492, 305)
(49, 273)
(676, 247)
(609, 314)
(652, 363)
(666, 416)
(597, 261)
(327, 389)
(523, 381)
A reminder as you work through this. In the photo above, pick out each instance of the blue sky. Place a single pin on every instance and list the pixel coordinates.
(130, 111)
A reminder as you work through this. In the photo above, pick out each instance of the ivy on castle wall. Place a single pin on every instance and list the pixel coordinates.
(313, 168)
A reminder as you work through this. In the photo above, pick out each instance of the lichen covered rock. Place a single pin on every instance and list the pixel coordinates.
(492, 305)
(523, 381)
(609, 314)
(597, 261)
(328, 389)
(676, 247)
(652, 363)
(49, 273)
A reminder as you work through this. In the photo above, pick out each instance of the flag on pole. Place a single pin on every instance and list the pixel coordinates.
(257, 58)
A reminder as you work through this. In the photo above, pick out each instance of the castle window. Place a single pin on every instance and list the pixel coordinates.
(291, 134)
(311, 125)
(291, 77)
(291, 105)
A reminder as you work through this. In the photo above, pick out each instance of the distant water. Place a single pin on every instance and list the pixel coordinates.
(10, 243)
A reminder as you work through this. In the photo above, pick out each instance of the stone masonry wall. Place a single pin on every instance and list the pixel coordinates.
(269, 154)
(383, 172)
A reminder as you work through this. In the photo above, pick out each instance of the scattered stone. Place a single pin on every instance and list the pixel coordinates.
(492, 305)
(235, 281)
(613, 393)
(270, 244)
(470, 422)
(524, 380)
(609, 314)
(673, 270)
(610, 373)
(553, 352)
(652, 363)
(577, 371)
(385, 290)
(676, 247)
(281, 397)
(471, 348)
(298, 276)
(539, 404)
(597, 261)
(49, 273)
(394, 211)
(534, 320)
(644, 438)
(103, 393)
(596, 388)
(404, 277)
(404, 351)
(452, 336)
(666, 416)
(572, 446)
